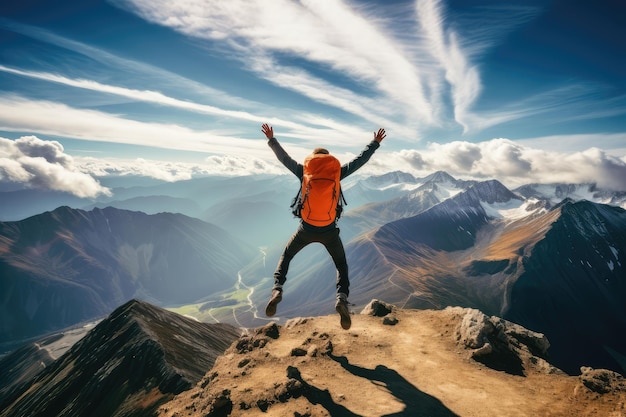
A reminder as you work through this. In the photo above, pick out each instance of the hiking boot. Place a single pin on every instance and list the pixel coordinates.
(277, 297)
(342, 308)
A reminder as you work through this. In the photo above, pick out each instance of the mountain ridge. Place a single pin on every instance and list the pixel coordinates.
(128, 365)
(67, 266)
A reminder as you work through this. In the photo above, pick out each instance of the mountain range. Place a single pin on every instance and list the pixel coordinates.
(68, 266)
(549, 257)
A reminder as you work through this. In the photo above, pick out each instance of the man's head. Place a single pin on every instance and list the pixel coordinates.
(320, 150)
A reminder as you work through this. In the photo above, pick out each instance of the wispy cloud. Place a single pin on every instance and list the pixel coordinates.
(404, 75)
(19, 114)
(560, 105)
(148, 96)
(445, 45)
(401, 73)
(130, 70)
(50, 118)
(267, 34)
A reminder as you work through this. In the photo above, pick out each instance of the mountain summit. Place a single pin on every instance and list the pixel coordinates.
(394, 362)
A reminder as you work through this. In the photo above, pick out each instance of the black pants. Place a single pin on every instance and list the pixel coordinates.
(331, 241)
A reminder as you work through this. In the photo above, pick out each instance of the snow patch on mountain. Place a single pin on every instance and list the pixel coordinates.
(447, 190)
(512, 209)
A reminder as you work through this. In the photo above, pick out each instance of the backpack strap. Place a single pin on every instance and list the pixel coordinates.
(340, 203)
(297, 203)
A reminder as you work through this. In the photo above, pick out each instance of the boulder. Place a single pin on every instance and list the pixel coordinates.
(602, 381)
(378, 308)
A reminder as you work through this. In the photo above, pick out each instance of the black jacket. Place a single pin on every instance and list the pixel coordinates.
(346, 169)
(298, 169)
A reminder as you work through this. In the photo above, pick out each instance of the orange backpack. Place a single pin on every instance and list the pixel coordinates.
(320, 201)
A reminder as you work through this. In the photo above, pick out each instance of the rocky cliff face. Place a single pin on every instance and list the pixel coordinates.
(67, 266)
(133, 361)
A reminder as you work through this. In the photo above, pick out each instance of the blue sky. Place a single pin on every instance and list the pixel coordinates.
(528, 92)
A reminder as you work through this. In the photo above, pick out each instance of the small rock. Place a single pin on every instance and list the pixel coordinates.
(312, 351)
(327, 349)
(485, 349)
(269, 330)
(390, 321)
(222, 403)
(602, 381)
(295, 322)
(298, 352)
(377, 308)
(293, 372)
(475, 329)
(263, 404)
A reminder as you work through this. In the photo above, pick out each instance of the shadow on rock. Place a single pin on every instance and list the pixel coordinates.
(318, 396)
(417, 403)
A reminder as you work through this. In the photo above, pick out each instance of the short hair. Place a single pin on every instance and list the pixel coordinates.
(320, 150)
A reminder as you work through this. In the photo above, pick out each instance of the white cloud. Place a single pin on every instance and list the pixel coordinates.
(233, 165)
(222, 165)
(44, 164)
(515, 164)
(612, 143)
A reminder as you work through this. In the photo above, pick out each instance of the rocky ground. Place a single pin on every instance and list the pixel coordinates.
(454, 362)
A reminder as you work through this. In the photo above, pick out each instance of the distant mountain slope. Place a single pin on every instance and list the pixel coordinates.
(260, 219)
(133, 361)
(573, 287)
(153, 205)
(68, 266)
(453, 224)
(418, 196)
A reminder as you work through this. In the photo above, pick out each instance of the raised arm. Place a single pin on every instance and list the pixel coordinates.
(365, 156)
(280, 153)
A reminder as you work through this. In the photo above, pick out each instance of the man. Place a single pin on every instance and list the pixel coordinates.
(308, 233)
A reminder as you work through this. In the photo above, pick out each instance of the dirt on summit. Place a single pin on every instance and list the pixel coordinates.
(405, 363)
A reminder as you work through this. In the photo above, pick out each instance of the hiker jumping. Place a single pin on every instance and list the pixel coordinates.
(318, 205)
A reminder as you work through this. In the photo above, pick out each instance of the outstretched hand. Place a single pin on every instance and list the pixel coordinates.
(380, 135)
(267, 130)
